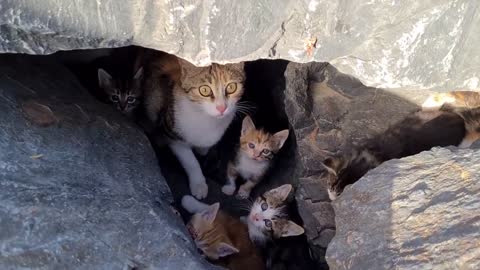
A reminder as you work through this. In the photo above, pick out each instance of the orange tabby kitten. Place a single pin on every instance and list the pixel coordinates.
(221, 237)
(257, 149)
(454, 99)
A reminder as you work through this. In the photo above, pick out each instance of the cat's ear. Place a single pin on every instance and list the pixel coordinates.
(280, 138)
(280, 193)
(224, 249)
(247, 125)
(332, 164)
(104, 79)
(185, 68)
(239, 67)
(139, 74)
(211, 212)
(291, 229)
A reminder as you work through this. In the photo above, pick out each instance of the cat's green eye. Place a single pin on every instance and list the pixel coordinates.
(115, 98)
(266, 151)
(205, 91)
(231, 88)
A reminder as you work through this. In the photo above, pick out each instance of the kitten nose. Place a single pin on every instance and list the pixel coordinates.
(221, 108)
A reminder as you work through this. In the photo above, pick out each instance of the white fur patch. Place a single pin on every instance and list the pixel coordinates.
(192, 205)
(197, 127)
(332, 194)
(251, 169)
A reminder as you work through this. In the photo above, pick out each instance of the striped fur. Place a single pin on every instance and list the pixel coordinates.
(418, 132)
(221, 237)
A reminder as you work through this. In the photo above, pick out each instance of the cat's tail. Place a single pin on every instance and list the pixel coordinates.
(193, 205)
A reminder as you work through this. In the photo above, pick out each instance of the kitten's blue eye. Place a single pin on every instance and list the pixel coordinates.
(251, 145)
(268, 223)
(266, 151)
(264, 206)
(115, 98)
(131, 99)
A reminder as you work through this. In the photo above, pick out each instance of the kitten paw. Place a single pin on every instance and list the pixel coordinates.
(199, 189)
(228, 189)
(243, 194)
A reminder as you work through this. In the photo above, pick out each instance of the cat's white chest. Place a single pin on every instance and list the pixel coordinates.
(196, 127)
(249, 168)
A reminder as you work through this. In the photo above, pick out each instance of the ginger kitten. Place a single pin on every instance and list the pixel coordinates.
(268, 218)
(418, 132)
(254, 157)
(221, 237)
(193, 110)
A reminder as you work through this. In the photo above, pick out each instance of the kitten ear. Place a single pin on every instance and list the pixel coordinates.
(185, 68)
(224, 249)
(280, 138)
(139, 74)
(239, 67)
(247, 124)
(210, 213)
(331, 164)
(281, 192)
(291, 229)
(104, 79)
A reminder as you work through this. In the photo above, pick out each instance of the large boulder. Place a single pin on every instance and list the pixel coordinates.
(385, 43)
(80, 187)
(420, 212)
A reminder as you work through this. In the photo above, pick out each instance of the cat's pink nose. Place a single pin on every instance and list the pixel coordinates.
(221, 108)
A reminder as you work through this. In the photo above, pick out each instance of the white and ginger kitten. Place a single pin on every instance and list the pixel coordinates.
(196, 114)
(254, 157)
(268, 218)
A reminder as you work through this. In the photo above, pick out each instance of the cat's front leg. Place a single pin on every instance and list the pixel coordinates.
(245, 189)
(232, 174)
(184, 153)
(202, 151)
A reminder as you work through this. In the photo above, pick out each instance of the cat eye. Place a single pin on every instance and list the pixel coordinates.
(131, 99)
(266, 151)
(231, 88)
(251, 145)
(205, 91)
(264, 206)
(115, 98)
(268, 223)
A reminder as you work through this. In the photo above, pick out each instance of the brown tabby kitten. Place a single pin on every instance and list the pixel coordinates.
(257, 149)
(195, 113)
(418, 132)
(268, 218)
(221, 237)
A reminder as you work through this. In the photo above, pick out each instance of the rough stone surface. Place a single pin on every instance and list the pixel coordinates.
(385, 43)
(330, 111)
(81, 191)
(420, 212)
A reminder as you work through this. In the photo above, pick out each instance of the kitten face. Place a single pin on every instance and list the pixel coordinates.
(215, 89)
(124, 93)
(268, 219)
(259, 145)
(207, 236)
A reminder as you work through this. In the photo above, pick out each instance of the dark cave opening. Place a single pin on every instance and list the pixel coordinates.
(265, 87)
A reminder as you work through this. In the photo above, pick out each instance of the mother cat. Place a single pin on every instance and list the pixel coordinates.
(191, 107)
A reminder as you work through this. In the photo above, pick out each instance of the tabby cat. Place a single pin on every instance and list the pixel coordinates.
(120, 78)
(257, 149)
(418, 132)
(193, 110)
(268, 218)
(221, 237)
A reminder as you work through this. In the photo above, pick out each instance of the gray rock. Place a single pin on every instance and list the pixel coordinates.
(429, 44)
(80, 187)
(420, 212)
